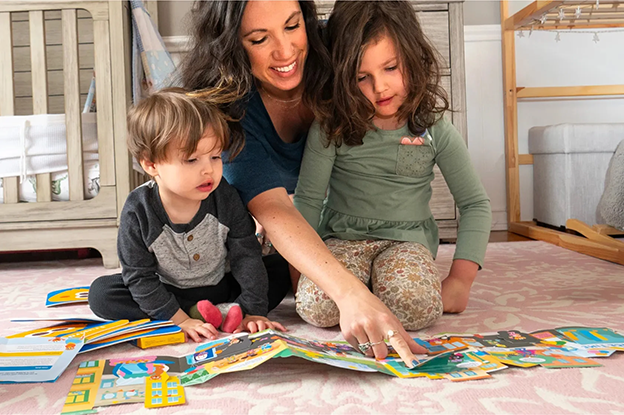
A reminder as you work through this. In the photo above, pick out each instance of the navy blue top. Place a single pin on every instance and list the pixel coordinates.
(266, 162)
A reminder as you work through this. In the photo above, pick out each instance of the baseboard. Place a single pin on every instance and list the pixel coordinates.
(499, 220)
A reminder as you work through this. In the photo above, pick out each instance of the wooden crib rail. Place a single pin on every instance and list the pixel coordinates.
(97, 8)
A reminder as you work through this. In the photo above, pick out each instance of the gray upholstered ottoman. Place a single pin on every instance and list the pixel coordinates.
(570, 162)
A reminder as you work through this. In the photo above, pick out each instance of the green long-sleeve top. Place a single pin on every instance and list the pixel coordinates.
(382, 188)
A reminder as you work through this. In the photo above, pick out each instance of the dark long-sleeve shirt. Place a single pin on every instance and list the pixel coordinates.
(220, 238)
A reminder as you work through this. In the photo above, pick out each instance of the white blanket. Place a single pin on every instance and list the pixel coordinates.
(33, 144)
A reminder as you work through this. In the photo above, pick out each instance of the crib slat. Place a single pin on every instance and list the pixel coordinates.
(7, 105)
(11, 192)
(72, 104)
(103, 86)
(39, 88)
(38, 62)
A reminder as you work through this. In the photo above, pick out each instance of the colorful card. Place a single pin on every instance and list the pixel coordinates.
(36, 359)
(128, 380)
(65, 296)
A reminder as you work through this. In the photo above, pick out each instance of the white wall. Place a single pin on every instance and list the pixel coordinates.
(484, 103)
(540, 61)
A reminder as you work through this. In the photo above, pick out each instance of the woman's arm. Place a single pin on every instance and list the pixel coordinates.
(363, 317)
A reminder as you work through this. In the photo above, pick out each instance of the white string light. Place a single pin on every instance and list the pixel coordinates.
(577, 12)
(561, 15)
(595, 38)
(543, 19)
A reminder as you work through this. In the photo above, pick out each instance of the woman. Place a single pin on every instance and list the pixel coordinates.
(271, 51)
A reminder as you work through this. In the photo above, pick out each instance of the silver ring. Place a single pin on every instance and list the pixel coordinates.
(365, 347)
(258, 235)
(269, 244)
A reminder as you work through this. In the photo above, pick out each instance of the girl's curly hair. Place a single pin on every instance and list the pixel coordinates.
(342, 109)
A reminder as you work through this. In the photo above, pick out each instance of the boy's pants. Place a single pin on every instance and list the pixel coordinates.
(109, 297)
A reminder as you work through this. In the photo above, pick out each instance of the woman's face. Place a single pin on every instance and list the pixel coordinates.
(274, 36)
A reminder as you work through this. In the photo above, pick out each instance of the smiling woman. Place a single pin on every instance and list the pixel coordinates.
(271, 53)
(276, 47)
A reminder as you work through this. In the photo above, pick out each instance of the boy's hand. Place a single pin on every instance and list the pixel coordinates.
(456, 287)
(196, 328)
(253, 324)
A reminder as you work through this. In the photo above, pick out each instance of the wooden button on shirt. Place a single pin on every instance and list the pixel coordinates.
(190, 238)
(196, 257)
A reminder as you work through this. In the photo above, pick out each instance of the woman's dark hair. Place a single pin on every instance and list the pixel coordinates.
(217, 58)
(343, 111)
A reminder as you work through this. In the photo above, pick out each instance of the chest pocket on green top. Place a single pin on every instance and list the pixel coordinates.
(415, 157)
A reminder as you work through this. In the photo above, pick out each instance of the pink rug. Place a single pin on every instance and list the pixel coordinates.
(525, 285)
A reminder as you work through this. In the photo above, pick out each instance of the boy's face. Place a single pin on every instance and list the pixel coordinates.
(189, 179)
(380, 78)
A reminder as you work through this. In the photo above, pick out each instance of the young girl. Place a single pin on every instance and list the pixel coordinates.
(365, 180)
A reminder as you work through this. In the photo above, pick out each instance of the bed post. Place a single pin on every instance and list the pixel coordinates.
(511, 116)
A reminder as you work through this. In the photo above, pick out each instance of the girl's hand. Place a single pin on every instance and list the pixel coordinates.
(456, 287)
(455, 294)
(263, 239)
(364, 318)
(253, 324)
(195, 329)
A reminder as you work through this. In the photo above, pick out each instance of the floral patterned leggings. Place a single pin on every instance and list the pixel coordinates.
(401, 274)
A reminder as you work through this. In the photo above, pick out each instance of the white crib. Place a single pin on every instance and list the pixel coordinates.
(66, 41)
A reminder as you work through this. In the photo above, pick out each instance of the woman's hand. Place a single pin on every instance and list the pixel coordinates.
(364, 318)
(253, 324)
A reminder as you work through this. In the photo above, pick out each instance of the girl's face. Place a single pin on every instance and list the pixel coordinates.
(380, 78)
(274, 36)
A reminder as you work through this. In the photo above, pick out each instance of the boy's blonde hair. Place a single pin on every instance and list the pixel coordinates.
(172, 115)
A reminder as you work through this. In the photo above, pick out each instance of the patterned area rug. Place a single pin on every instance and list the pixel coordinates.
(524, 285)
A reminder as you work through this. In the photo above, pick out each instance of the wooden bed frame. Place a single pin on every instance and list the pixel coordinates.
(76, 223)
(543, 15)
